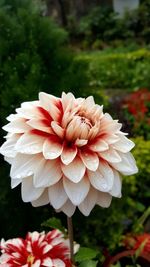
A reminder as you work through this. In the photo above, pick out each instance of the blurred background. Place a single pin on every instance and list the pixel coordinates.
(99, 48)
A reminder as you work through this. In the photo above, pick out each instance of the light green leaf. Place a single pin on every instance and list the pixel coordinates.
(54, 223)
(85, 254)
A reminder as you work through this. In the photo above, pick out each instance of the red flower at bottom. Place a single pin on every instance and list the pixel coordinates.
(36, 250)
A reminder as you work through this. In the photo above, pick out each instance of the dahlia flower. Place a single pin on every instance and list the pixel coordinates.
(67, 152)
(36, 250)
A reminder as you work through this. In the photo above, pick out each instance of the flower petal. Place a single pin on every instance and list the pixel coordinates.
(104, 199)
(28, 192)
(89, 202)
(124, 144)
(110, 155)
(24, 165)
(50, 103)
(47, 174)
(116, 188)
(103, 178)
(15, 182)
(58, 263)
(76, 191)
(90, 159)
(17, 126)
(30, 144)
(81, 142)
(57, 195)
(47, 262)
(42, 200)
(68, 154)
(40, 124)
(68, 208)
(75, 170)
(98, 145)
(7, 149)
(52, 148)
(59, 131)
(127, 166)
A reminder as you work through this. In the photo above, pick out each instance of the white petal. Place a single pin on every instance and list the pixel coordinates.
(42, 200)
(50, 103)
(99, 145)
(127, 166)
(30, 144)
(88, 204)
(58, 263)
(47, 173)
(57, 129)
(37, 263)
(15, 182)
(47, 262)
(68, 154)
(81, 142)
(116, 189)
(28, 111)
(7, 149)
(9, 160)
(68, 101)
(40, 124)
(17, 126)
(24, 165)
(90, 101)
(110, 138)
(90, 159)
(57, 195)
(108, 125)
(104, 199)
(103, 178)
(124, 144)
(28, 191)
(110, 155)
(52, 149)
(75, 170)
(68, 208)
(76, 191)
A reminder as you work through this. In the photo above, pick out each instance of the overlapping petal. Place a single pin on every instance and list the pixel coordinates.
(67, 152)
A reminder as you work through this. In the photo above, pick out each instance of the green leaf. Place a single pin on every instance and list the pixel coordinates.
(54, 223)
(88, 263)
(85, 254)
(140, 249)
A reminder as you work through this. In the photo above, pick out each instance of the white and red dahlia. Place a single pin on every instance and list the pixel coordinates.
(67, 152)
(36, 250)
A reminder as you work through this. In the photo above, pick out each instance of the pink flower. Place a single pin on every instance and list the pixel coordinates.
(67, 152)
(37, 249)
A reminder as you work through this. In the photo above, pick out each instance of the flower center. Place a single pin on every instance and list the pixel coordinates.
(78, 127)
(30, 259)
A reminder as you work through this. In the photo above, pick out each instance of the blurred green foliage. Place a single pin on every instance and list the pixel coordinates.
(110, 70)
(102, 27)
(33, 54)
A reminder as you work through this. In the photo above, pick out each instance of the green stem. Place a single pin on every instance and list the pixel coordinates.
(70, 234)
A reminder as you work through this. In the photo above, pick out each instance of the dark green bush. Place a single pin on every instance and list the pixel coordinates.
(33, 55)
(102, 25)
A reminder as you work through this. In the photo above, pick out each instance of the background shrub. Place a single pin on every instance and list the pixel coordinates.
(114, 70)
